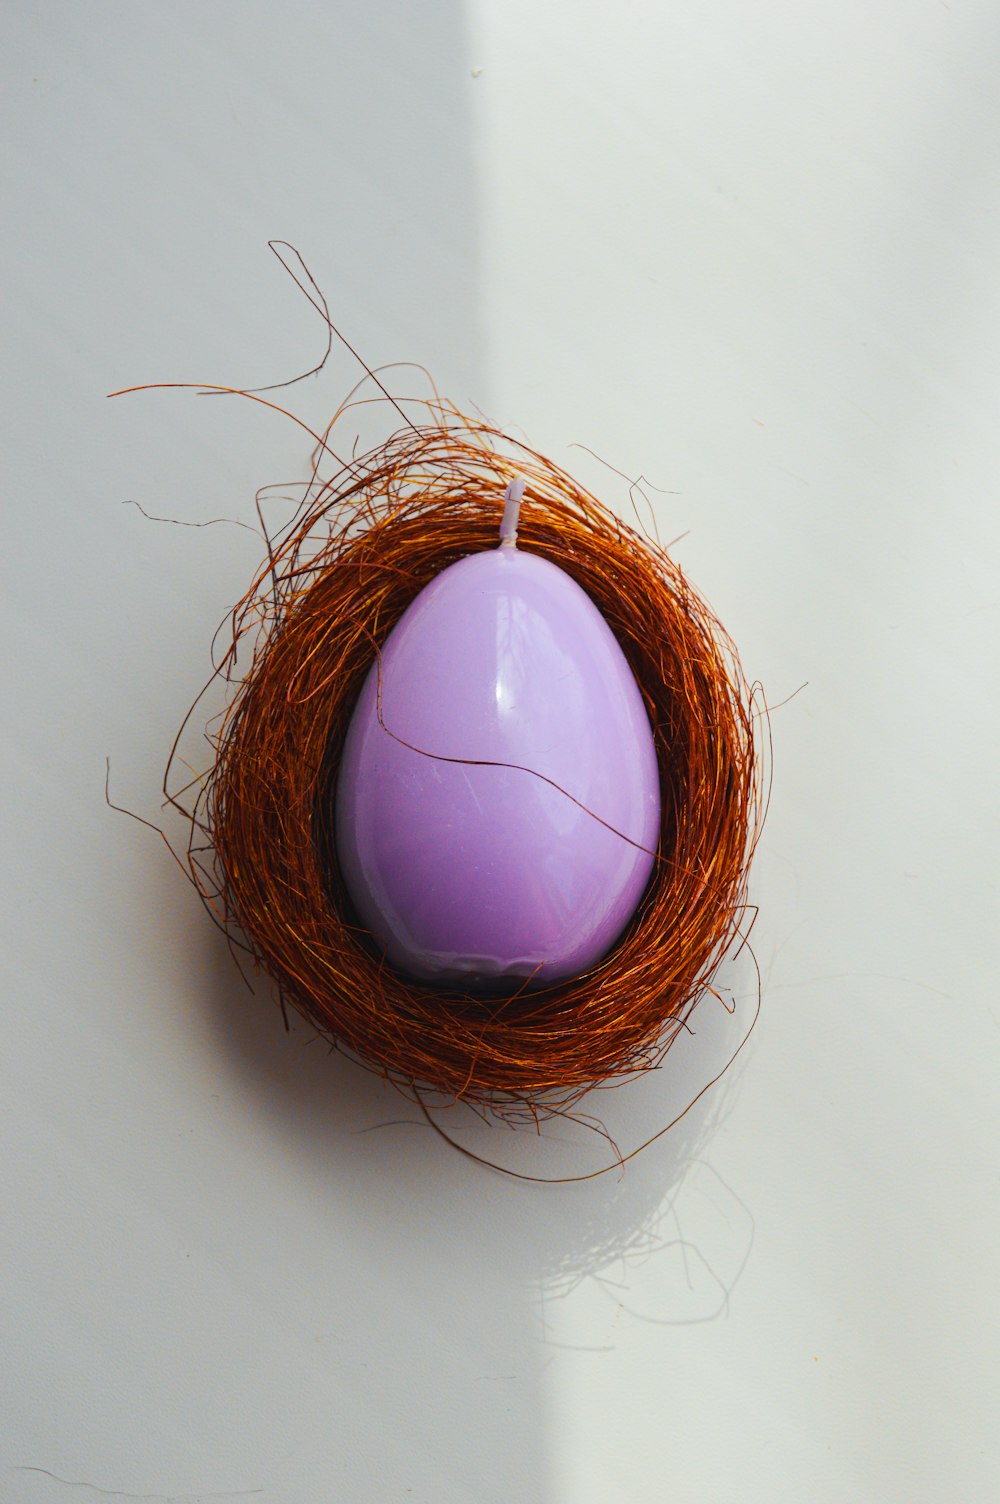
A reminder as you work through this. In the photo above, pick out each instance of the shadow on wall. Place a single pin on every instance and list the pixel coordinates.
(468, 1274)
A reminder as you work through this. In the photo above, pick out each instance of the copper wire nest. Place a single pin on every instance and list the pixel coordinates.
(335, 581)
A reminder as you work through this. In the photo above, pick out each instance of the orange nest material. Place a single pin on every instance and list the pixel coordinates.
(335, 581)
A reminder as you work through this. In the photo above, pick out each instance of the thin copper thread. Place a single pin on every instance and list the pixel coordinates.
(262, 851)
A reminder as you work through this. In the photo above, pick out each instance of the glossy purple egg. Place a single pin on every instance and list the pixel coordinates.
(468, 872)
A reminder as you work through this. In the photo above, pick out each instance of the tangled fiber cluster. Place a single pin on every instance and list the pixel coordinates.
(262, 852)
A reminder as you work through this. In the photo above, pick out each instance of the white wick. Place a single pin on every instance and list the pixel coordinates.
(511, 512)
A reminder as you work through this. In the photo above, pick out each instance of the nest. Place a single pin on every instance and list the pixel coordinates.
(334, 583)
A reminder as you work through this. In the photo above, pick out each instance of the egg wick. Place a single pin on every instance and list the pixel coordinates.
(511, 512)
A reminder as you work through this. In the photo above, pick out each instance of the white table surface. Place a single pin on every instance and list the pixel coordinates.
(753, 253)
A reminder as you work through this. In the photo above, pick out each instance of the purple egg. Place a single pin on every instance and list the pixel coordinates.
(496, 864)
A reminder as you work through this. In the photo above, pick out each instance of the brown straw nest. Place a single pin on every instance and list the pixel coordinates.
(336, 579)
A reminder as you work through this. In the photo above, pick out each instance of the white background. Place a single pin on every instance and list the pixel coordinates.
(751, 251)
